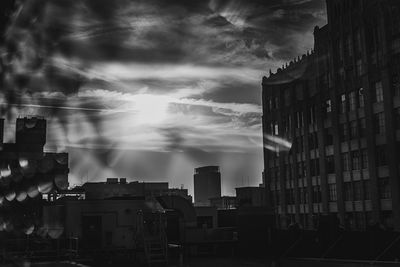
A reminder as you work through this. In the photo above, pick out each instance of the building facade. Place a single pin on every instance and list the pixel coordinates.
(207, 185)
(339, 107)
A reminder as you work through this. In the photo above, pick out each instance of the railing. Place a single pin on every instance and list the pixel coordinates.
(37, 248)
(150, 232)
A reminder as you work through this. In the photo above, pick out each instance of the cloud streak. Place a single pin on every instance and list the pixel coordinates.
(176, 78)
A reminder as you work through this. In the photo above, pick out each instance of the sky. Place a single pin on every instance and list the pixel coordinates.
(151, 89)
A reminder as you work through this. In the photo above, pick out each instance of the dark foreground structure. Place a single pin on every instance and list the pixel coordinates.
(339, 107)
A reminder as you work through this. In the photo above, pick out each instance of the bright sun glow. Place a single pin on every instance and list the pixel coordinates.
(150, 109)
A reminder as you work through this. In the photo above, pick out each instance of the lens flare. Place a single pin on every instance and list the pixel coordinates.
(29, 230)
(21, 196)
(33, 191)
(23, 162)
(276, 144)
(45, 187)
(6, 172)
(56, 232)
(10, 196)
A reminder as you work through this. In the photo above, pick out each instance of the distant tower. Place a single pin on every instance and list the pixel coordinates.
(207, 184)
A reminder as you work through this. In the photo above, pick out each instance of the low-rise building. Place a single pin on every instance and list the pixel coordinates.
(250, 196)
(224, 202)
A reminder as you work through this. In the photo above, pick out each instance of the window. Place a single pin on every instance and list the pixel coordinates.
(378, 92)
(381, 155)
(367, 189)
(314, 167)
(359, 68)
(287, 97)
(358, 41)
(300, 144)
(343, 103)
(349, 46)
(301, 194)
(345, 162)
(343, 132)
(357, 190)
(276, 197)
(330, 164)
(348, 194)
(299, 119)
(276, 129)
(305, 195)
(380, 123)
(397, 118)
(340, 50)
(328, 137)
(332, 192)
(364, 159)
(395, 20)
(300, 170)
(276, 102)
(288, 172)
(316, 194)
(363, 127)
(355, 160)
(328, 106)
(353, 129)
(290, 196)
(312, 115)
(341, 72)
(396, 84)
(361, 102)
(277, 173)
(289, 124)
(384, 188)
(313, 140)
(352, 101)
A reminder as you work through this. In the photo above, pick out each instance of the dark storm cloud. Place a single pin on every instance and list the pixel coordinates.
(215, 32)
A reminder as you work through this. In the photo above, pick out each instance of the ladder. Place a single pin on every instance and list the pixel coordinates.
(154, 238)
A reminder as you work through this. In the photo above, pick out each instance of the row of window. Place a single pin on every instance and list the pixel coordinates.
(355, 160)
(352, 191)
(350, 101)
(303, 195)
(352, 220)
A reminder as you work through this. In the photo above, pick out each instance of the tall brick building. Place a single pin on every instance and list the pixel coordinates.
(339, 106)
